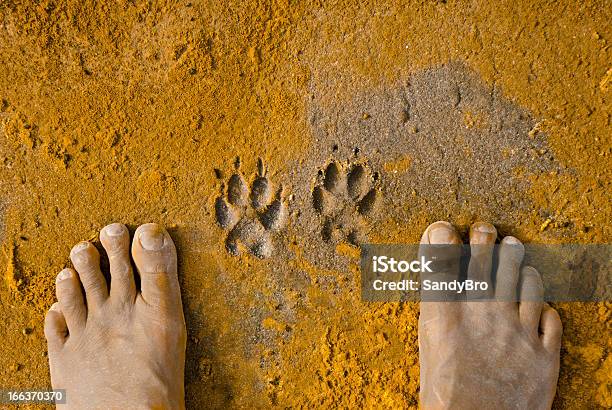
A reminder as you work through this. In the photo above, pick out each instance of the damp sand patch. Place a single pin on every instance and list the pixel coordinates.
(441, 143)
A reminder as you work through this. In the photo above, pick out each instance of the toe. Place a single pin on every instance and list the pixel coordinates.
(551, 329)
(334, 180)
(440, 243)
(226, 214)
(261, 192)
(86, 261)
(275, 216)
(56, 328)
(358, 182)
(116, 241)
(511, 253)
(155, 258)
(531, 299)
(440, 233)
(70, 297)
(237, 191)
(482, 242)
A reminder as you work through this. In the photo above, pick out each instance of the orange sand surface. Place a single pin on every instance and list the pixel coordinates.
(135, 111)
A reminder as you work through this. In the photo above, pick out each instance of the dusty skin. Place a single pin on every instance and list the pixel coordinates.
(123, 347)
(498, 354)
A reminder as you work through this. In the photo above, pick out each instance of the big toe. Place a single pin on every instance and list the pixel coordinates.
(440, 233)
(440, 244)
(154, 255)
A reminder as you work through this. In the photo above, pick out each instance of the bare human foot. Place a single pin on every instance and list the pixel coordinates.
(121, 348)
(489, 354)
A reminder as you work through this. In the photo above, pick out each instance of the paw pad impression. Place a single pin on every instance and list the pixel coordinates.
(346, 198)
(250, 213)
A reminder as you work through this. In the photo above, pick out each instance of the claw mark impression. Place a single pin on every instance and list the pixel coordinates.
(346, 197)
(252, 214)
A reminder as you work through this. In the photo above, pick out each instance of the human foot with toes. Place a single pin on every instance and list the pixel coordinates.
(496, 354)
(118, 347)
(124, 347)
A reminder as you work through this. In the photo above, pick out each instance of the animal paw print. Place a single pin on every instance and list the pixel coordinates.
(346, 197)
(250, 215)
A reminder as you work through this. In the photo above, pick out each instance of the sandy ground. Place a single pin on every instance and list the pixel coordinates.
(147, 111)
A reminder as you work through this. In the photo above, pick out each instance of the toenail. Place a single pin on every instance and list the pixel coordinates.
(115, 229)
(64, 274)
(152, 239)
(484, 228)
(511, 240)
(440, 234)
(54, 306)
(80, 247)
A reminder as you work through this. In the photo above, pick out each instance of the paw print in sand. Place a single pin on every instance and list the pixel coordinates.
(346, 198)
(250, 215)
